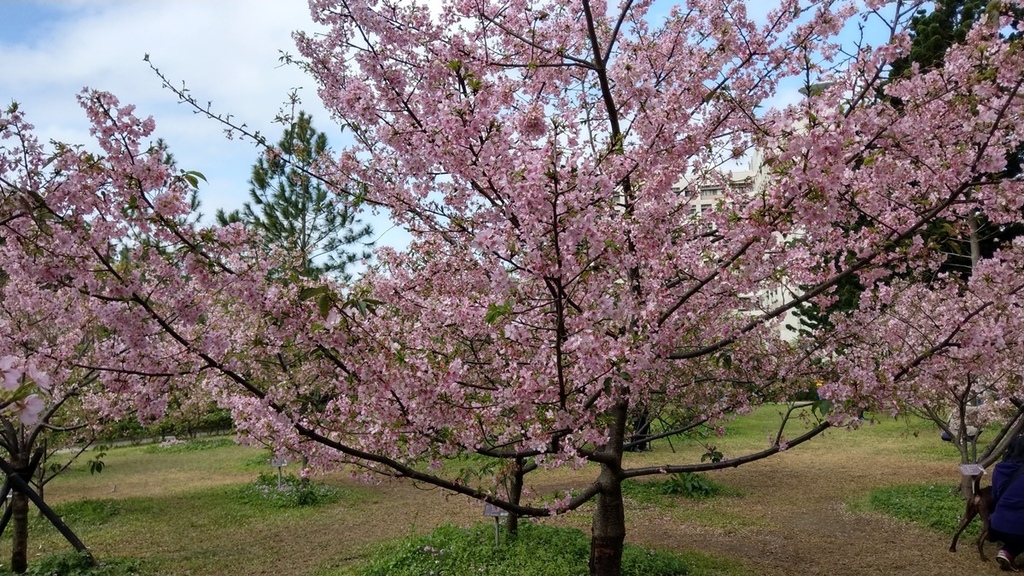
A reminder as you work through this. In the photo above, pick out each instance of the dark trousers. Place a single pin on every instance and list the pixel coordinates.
(1012, 543)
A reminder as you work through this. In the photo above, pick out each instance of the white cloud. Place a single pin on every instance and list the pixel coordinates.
(226, 52)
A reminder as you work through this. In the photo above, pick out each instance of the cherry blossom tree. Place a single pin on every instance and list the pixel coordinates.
(54, 407)
(535, 148)
(47, 397)
(62, 383)
(967, 382)
(556, 279)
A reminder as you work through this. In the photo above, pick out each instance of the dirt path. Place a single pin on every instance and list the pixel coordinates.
(794, 520)
(792, 517)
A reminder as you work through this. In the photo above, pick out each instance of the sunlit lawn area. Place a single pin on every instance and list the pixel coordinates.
(185, 511)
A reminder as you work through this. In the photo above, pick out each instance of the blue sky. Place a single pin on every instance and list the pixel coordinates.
(26, 22)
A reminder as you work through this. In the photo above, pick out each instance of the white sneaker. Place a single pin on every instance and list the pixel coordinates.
(1005, 561)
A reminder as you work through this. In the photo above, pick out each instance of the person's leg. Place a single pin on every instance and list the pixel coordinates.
(1012, 546)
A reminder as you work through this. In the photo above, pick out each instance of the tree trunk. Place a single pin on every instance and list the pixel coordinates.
(19, 515)
(972, 222)
(19, 539)
(608, 531)
(515, 493)
(970, 452)
(966, 486)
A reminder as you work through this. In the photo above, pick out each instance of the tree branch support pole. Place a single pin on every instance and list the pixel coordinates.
(5, 491)
(21, 487)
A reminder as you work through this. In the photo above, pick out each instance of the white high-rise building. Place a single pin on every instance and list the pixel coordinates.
(707, 194)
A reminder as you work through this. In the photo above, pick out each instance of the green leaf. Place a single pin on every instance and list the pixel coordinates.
(324, 303)
(365, 306)
(497, 311)
(24, 390)
(712, 455)
(193, 177)
(313, 292)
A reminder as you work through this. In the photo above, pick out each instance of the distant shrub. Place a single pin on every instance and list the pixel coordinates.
(291, 492)
(537, 549)
(176, 423)
(175, 446)
(685, 484)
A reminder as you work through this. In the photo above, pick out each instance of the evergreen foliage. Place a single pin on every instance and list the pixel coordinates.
(934, 32)
(295, 210)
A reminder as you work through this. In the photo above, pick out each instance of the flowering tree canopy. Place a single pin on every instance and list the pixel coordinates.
(557, 281)
(959, 386)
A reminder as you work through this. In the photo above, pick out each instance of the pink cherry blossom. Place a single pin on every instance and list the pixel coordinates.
(29, 408)
(39, 378)
(12, 379)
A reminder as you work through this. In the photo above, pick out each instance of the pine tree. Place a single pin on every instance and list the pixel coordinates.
(293, 209)
(934, 32)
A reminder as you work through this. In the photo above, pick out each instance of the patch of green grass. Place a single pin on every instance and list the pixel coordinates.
(685, 484)
(82, 513)
(936, 506)
(699, 564)
(125, 465)
(286, 491)
(537, 549)
(261, 460)
(178, 447)
(74, 564)
(205, 531)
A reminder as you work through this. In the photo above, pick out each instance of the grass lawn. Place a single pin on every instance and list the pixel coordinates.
(184, 512)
